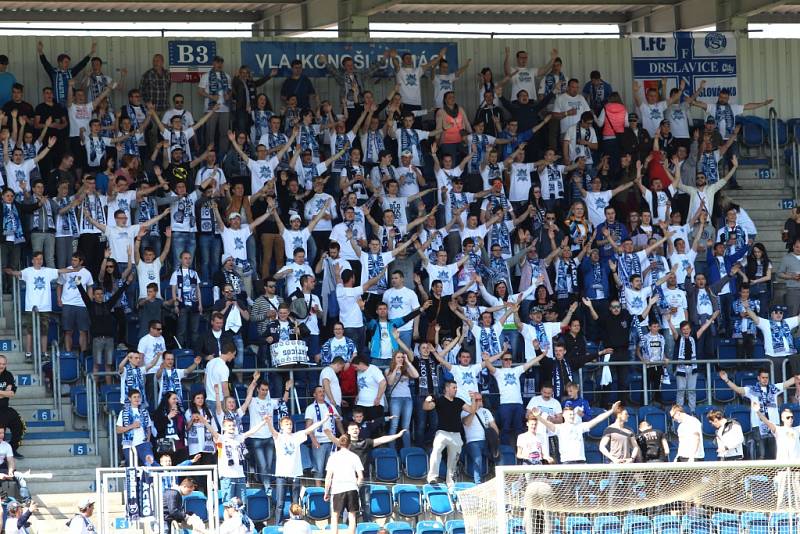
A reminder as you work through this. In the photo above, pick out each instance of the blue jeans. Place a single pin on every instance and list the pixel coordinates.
(210, 256)
(263, 450)
(238, 362)
(407, 337)
(511, 418)
(425, 423)
(232, 487)
(319, 457)
(187, 327)
(475, 452)
(280, 490)
(514, 339)
(182, 242)
(402, 407)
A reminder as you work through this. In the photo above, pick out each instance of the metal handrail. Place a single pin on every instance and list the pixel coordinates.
(113, 451)
(795, 167)
(17, 306)
(36, 343)
(707, 363)
(55, 354)
(774, 144)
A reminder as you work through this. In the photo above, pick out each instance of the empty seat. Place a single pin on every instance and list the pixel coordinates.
(725, 523)
(386, 464)
(315, 506)
(430, 527)
(455, 526)
(754, 523)
(437, 499)
(741, 414)
(408, 499)
(70, 367)
(607, 524)
(637, 524)
(380, 501)
(196, 503)
(701, 412)
(367, 528)
(399, 527)
(695, 525)
(257, 504)
(578, 524)
(415, 462)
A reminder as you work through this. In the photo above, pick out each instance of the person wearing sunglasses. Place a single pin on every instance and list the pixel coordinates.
(787, 436)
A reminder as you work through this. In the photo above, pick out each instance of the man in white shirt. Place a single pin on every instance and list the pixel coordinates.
(690, 436)
(511, 414)
(787, 436)
(152, 347)
(523, 78)
(570, 433)
(344, 474)
(294, 270)
(215, 87)
(729, 436)
(348, 297)
(217, 376)
(371, 388)
(546, 404)
(121, 236)
(402, 301)
(570, 107)
(321, 444)
(329, 380)
(652, 111)
(73, 310)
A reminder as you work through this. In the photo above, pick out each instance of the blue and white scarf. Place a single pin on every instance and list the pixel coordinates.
(261, 119)
(766, 400)
(781, 334)
(217, 83)
(308, 140)
(374, 266)
(61, 84)
(558, 382)
(69, 221)
(409, 140)
(488, 341)
(128, 418)
(171, 382)
(374, 146)
(134, 379)
(146, 211)
(709, 166)
(724, 113)
(629, 265)
(12, 225)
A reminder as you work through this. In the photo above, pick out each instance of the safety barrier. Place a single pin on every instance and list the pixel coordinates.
(774, 145)
(795, 161)
(709, 373)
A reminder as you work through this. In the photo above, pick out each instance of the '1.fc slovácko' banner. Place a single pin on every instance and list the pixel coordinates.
(689, 56)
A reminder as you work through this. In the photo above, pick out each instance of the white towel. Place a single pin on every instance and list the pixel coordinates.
(605, 376)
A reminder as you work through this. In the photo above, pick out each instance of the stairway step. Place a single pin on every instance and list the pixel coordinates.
(56, 462)
(62, 484)
(58, 435)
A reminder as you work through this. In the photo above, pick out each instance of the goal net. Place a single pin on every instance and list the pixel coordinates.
(653, 498)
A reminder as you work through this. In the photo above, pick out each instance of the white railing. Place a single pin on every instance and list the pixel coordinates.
(774, 144)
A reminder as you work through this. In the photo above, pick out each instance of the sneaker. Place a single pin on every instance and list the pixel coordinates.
(28, 356)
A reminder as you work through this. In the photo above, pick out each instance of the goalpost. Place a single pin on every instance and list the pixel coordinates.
(701, 497)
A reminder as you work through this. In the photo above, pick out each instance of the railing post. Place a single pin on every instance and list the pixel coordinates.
(56, 363)
(17, 307)
(644, 384)
(2, 295)
(795, 167)
(36, 343)
(774, 144)
(90, 408)
(708, 384)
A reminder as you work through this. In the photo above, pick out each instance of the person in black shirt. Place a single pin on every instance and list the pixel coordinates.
(24, 109)
(448, 436)
(653, 446)
(175, 169)
(9, 418)
(101, 322)
(362, 447)
(48, 108)
(173, 506)
(615, 335)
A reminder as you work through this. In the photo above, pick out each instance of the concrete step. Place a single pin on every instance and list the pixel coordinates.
(56, 508)
(57, 462)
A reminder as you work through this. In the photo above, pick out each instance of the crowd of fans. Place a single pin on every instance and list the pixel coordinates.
(444, 262)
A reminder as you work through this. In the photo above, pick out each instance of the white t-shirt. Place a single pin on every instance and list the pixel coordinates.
(217, 372)
(772, 411)
(19, 173)
(204, 173)
(257, 410)
(787, 444)
(520, 181)
(79, 117)
(564, 103)
(636, 300)
(120, 240)
(315, 412)
(466, 378)
(534, 444)
(722, 125)
(442, 83)
(570, 441)
(70, 296)
(421, 135)
(122, 201)
(204, 83)
(687, 430)
(37, 288)
(409, 79)
(369, 382)
(288, 461)
(349, 313)
(596, 203)
(474, 431)
(398, 206)
(234, 242)
(293, 239)
(544, 336)
(315, 205)
(329, 374)
(676, 298)
(138, 433)
(660, 211)
(401, 302)
(228, 457)
(551, 178)
(684, 260)
(549, 407)
(678, 117)
(261, 172)
(293, 280)
(444, 273)
(508, 384)
(407, 180)
(781, 346)
(152, 348)
(148, 273)
(344, 467)
(524, 79)
(580, 151)
(182, 215)
(652, 115)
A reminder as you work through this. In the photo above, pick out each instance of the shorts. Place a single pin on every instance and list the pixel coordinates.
(103, 350)
(348, 500)
(44, 320)
(74, 318)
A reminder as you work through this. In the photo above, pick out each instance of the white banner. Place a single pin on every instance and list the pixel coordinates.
(689, 56)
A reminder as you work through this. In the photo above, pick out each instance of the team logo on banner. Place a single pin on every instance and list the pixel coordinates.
(686, 56)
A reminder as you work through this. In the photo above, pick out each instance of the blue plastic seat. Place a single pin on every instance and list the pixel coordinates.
(695, 525)
(386, 464)
(752, 135)
(367, 528)
(701, 394)
(80, 406)
(455, 526)
(607, 524)
(578, 524)
(754, 523)
(408, 499)
(741, 414)
(636, 386)
(183, 358)
(666, 524)
(415, 462)
(655, 416)
(637, 524)
(597, 431)
(437, 499)
(315, 506)
(593, 454)
(721, 392)
(257, 504)
(430, 527)
(725, 523)
(745, 378)
(701, 412)
(196, 503)
(398, 527)
(70, 367)
(782, 523)
(271, 530)
(380, 501)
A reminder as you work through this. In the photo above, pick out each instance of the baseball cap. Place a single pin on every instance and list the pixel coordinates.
(294, 216)
(406, 153)
(537, 309)
(664, 122)
(234, 215)
(86, 502)
(711, 120)
(173, 148)
(633, 117)
(778, 308)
